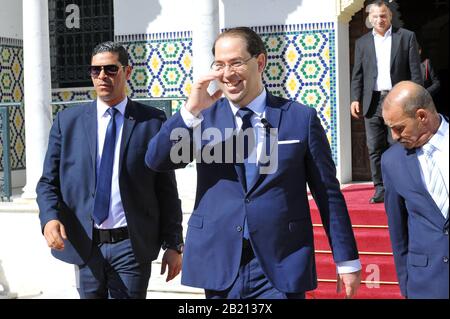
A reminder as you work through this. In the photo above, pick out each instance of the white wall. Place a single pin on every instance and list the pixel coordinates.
(271, 12)
(154, 16)
(11, 19)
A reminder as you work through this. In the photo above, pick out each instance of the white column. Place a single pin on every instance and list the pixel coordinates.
(205, 30)
(344, 165)
(37, 83)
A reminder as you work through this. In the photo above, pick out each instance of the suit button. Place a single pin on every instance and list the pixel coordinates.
(445, 259)
(247, 200)
(239, 228)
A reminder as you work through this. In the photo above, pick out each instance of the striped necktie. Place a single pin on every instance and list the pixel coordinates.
(435, 181)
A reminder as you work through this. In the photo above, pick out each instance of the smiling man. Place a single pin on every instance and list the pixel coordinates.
(416, 176)
(250, 235)
(100, 207)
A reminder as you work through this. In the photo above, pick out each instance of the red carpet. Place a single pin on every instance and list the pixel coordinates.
(372, 237)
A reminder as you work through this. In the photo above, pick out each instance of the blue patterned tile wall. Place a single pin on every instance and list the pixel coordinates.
(162, 65)
(301, 67)
(11, 91)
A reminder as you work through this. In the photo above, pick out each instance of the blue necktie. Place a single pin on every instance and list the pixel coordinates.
(251, 169)
(103, 192)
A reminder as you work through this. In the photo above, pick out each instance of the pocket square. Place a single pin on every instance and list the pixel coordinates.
(288, 142)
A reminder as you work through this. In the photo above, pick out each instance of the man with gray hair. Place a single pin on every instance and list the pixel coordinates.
(383, 57)
(416, 176)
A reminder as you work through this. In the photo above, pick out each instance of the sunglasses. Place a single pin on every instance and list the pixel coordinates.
(110, 70)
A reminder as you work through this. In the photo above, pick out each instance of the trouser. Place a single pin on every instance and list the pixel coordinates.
(113, 272)
(378, 137)
(251, 282)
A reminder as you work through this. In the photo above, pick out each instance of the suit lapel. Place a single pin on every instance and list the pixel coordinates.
(90, 124)
(129, 122)
(395, 44)
(372, 56)
(224, 119)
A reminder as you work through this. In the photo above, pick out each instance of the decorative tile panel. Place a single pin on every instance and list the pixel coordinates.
(302, 67)
(11, 91)
(162, 65)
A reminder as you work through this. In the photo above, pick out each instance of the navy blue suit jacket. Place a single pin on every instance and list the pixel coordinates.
(418, 230)
(276, 207)
(67, 187)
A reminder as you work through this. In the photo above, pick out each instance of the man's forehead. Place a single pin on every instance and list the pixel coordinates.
(378, 10)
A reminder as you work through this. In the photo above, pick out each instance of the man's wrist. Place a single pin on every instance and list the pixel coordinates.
(177, 247)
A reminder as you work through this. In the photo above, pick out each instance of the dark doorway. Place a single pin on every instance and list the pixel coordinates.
(429, 20)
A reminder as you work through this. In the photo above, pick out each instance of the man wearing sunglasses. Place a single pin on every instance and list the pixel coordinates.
(250, 235)
(101, 208)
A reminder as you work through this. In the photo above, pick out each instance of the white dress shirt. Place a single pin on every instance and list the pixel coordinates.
(383, 52)
(440, 142)
(116, 217)
(258, 106)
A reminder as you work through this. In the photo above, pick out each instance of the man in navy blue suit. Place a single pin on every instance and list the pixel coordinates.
(416, 177)
(100, 207)
(251, 235)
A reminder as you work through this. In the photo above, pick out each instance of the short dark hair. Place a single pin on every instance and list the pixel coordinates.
(380, 3)
(113, 47)
(255, 45)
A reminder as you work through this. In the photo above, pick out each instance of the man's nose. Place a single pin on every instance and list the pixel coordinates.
(395, 136)
(102, 74)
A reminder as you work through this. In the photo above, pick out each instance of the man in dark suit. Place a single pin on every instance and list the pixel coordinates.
(383, 57)
(416, 176)
(101, 208)
(250, 235)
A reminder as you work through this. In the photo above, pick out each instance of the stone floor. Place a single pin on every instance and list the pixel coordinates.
(28, 268)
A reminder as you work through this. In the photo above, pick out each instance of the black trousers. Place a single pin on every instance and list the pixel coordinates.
(378, 137)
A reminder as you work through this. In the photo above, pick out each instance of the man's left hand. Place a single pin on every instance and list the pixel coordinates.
(351, 282)
(173, 259)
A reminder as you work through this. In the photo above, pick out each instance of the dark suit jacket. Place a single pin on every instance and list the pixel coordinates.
(276, 206)
(67, 187)
(430, 78)
(418, 230)
(405, 64)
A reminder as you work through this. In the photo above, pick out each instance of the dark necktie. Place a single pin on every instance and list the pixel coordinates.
(103, 192)
(250, 169)
(249, 145)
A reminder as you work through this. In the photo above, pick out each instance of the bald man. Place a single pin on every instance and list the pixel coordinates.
(416, 176)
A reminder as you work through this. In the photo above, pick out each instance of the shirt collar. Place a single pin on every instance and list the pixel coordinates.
(102, 107)
(258, 105)
(388, 33)
(439, 139)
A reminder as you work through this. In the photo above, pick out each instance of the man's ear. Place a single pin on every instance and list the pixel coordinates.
(128, 70)
(261, 60)
(421, 115)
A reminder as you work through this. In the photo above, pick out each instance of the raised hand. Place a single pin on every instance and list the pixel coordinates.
(200, 99)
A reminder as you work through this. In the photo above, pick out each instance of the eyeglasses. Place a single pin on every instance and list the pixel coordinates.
(110, 70)
(236, 65)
